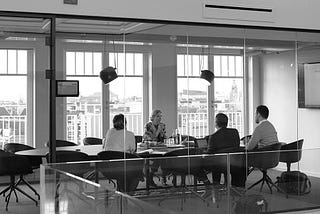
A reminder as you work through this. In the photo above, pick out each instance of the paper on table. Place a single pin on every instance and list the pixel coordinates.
(144, 151)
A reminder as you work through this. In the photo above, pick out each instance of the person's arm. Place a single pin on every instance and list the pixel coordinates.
(106, 140)
(147, 132)
(162, 131)
(237, 138)
(211, 147)
(132, 145)
(254, 140)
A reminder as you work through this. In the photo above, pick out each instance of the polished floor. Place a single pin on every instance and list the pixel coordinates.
(191, 204)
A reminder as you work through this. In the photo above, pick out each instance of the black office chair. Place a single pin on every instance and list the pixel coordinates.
(61, 143)
(71, 156)
(34, 161)
(291, 153)
(183, 166)
(92, 141)
(138, 139)
(78, 169)
(218, 164)
(126, 169)
(263, 159)
(13, 165)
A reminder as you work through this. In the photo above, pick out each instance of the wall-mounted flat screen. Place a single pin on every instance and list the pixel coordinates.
(67, 88)
(309, 85)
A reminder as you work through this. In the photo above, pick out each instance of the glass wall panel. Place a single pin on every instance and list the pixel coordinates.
(84, 113)
(21, 38)
(158, 67)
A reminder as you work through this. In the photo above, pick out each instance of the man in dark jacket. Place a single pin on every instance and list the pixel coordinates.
(226, 140)
(223, 138)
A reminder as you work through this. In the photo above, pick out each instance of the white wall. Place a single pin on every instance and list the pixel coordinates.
(287, 13)
(279, 94)
(164, 83)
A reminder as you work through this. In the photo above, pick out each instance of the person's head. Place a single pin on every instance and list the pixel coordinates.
(262, 113)
(221, 120)
(119, 122)
(156, 116)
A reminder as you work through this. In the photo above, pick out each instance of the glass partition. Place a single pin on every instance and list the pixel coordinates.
(21, 38)
(159, 65)
(109, 186)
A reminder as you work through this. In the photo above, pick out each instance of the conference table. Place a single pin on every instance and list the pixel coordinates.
(93, 150)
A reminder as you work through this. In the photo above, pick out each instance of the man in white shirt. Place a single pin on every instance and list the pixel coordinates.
(264, 134)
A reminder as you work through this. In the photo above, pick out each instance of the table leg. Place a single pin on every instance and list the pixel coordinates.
(147, 172)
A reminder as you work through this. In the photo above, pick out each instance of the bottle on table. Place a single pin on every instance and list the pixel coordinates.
(177, 137)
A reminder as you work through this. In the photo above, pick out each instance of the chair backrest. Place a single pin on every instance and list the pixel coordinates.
(291, 156)
(120, 168)
(183, 165)
(72, 156)
(69, 156)
(11, 164)
(16, 147)
(138, 139)
(202, 143)
(92, 141)
(266, 157)
(60, 143)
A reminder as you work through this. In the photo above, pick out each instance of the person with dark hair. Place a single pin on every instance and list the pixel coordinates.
(119, 138)
(224, 137)
(264, 134)
(224, 140)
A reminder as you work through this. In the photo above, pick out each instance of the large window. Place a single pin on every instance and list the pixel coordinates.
(192, 95)
(13, 97)
(84, 113)
(228, 89)
(126, 92)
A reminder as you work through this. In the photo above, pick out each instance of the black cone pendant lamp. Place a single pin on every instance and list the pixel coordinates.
(207, 75)
(108, 74)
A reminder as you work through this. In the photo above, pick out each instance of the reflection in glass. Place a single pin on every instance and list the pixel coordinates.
(229, 100)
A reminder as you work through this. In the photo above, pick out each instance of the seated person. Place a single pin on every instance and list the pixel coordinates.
(119, 138)
(155, 131)
(264, 134)
(226, 140)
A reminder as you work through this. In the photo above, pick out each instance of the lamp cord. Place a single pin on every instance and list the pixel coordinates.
(114, 54)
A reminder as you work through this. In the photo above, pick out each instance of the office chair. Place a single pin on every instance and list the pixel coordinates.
(61, 143)
(12, 165)
(92, 141)
(78, 169)
(34, 161)
(124, 172)
(138, 139)
(183, 166)
(292, 156)
(263, 159)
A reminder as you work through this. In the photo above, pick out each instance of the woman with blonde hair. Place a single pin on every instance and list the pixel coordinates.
(155, 130)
